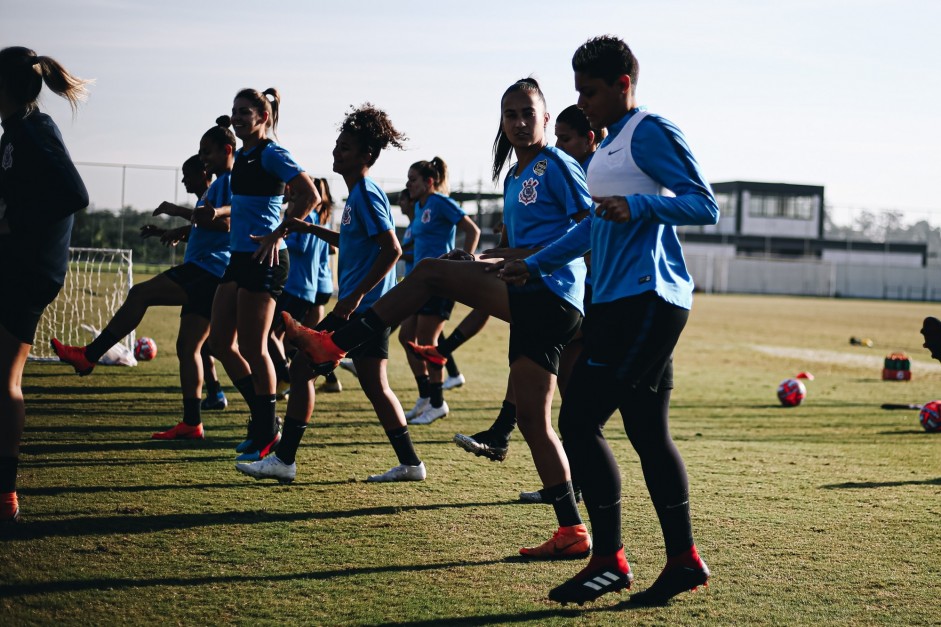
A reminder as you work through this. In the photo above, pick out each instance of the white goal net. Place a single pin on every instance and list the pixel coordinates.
(96, 284)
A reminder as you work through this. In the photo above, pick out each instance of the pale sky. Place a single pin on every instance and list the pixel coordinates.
(829, 92)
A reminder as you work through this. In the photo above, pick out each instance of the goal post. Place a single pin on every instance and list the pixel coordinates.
(96, 285)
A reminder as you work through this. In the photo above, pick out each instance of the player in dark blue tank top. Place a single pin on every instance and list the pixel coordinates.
(190, 285)
(244, 304)
(40, 189)
(541, 320)
(368, 252)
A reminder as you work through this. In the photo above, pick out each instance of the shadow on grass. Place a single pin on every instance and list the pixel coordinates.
(94, 489)
(510, 618)
(849, 485)
(78, 462)
(128, 445)
(107, 525)
(107, 391)
(78, 585)
(79, 430)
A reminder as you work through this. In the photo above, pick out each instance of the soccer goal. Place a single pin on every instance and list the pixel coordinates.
(96, 284)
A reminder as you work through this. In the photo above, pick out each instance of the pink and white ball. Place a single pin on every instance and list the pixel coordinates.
(791, 392)
(145, 349)
(930, 417)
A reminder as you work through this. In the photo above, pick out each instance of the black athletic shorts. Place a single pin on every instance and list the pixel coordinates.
(200, 287)
(25, 298)
(377, 348)
(322, 298)
(294, 305)
(542, 325)
(437, 306)
(634, 338)
(250, 275)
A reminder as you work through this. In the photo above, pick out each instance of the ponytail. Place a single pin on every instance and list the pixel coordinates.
(221, 134)
(268, 101)
(437, 171)
(22, 73)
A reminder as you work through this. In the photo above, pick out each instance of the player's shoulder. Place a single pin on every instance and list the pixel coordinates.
(558, 158)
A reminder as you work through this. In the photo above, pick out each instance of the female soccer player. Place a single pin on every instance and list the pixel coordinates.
(40, 189)
(640, 304)
(190, 284)
(244, 304)
(368, 252)
(309, 285)
(544, 194)
(575, 136)
(437, 218)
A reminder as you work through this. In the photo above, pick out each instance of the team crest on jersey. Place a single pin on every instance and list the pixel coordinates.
(347, 214)
(8, 157)
(426, 216)
(528, 193)
(540, 168)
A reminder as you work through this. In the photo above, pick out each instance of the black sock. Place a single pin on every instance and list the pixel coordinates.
(447, 345)
(563, 502)
(451, 366)
(605, 527)
(8, 473)
(402, 445)
(676, 527)
(359, 331)
(191, 411)
(436, 394)
(247, 389)
(100, 345)
(291, 436)
(213, 387)
(264, 420)
(506, 420)
(423, 384)
(330, 377)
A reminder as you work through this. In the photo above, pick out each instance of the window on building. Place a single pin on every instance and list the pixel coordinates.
(728, 204)
(778, 206)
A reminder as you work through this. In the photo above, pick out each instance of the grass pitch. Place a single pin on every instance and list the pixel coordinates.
(826, 513)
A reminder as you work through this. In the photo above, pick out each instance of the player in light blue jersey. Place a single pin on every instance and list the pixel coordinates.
(545, 194)
(368, 252)
(576, 138)
(309, 285)
(244, 304)
(640, 304)
(190, 285)
(436, 221)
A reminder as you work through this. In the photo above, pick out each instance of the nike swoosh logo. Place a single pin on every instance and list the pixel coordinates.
(561, 549)
(251, 160)
(611, 152)
(592, 362)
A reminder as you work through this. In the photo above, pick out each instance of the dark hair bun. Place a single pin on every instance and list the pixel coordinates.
(224, 121)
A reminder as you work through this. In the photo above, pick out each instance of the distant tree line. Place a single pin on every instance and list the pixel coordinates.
(121, 229)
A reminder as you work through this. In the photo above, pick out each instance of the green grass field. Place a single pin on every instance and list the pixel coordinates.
(827, 513)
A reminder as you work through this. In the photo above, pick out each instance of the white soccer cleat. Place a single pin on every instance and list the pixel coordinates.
(401, 473)
(420, 405)
(269, 468)
(430, 415)
(453, 382)
(349, 366)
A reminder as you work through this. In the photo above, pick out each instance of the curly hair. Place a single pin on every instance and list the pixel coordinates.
(373, 129)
